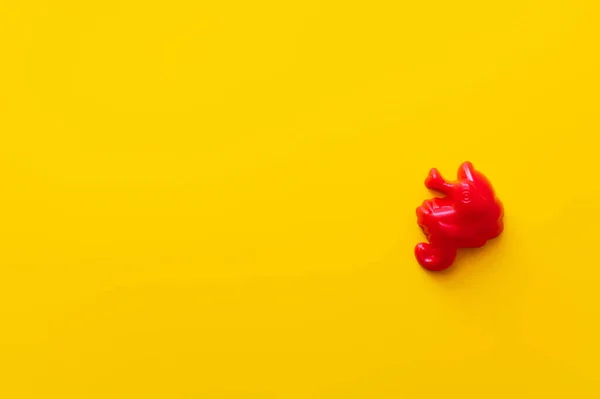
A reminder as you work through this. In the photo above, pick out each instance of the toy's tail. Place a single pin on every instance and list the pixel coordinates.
(434, 258)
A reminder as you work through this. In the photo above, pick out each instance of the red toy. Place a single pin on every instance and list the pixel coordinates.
(468, 216)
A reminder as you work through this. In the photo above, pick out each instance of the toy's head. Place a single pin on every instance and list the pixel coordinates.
(473, 194)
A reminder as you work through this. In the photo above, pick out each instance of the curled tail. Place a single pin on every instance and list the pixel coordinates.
(434, 258)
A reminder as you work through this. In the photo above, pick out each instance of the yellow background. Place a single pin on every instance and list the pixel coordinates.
(215, 199)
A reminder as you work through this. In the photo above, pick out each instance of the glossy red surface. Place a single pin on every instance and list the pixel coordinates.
(468, 216)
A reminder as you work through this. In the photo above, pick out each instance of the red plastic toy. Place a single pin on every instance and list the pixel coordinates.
(468, 216)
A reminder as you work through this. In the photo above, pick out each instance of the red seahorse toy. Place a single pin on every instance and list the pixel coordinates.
(467, 217)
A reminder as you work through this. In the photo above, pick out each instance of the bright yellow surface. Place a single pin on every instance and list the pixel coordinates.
(207, 199)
